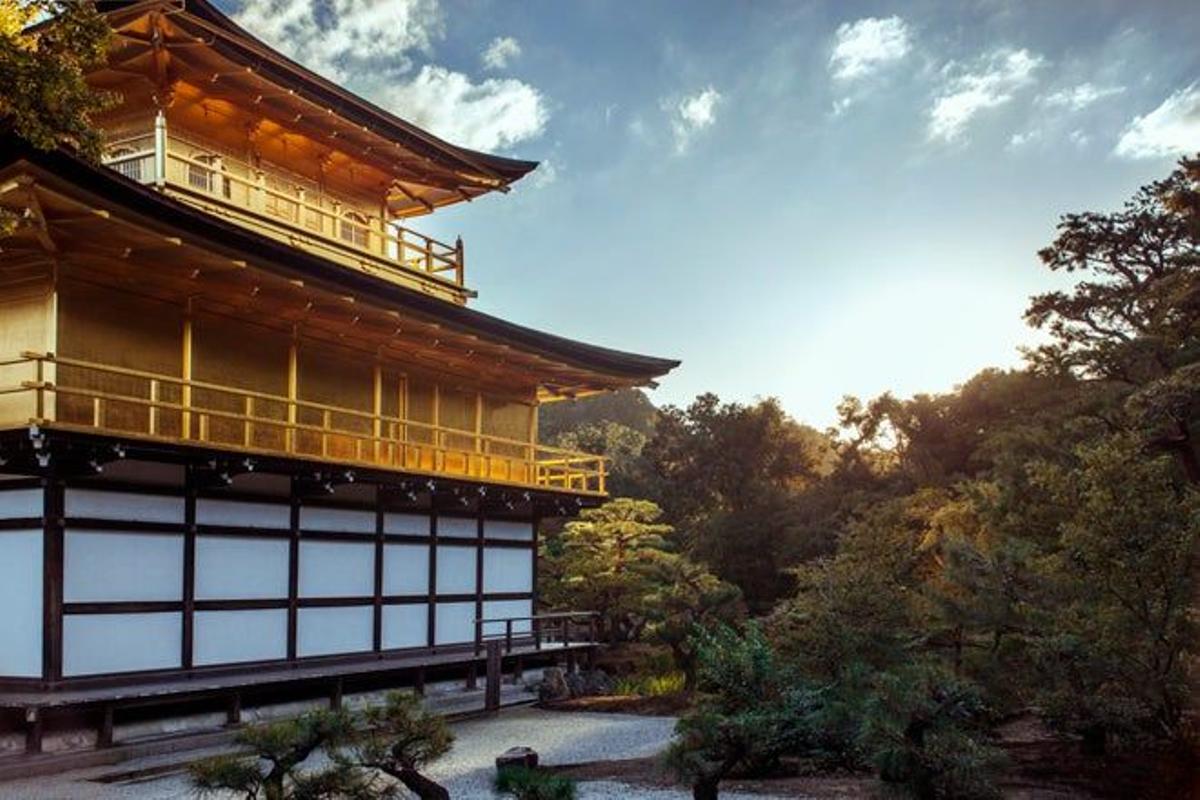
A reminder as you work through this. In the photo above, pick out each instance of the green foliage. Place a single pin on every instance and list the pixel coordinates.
(46, 99)
(1132, 321)
(664, 685)
(278, 750)
(926, 731)
(524, 783)
(1118, 630)
(746, 719)
(399, 739)
(606, 562)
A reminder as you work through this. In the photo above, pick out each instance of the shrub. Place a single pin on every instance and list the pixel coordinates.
(524, 783)
(926, 731)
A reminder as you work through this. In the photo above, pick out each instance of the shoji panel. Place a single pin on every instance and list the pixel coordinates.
(455, 570)
(347, 520)
(337, 569)
(99, 643)
(405, 569)
(409, 524)
(228, 637)
(327, 631)
(111, 565)
(236, 568)
(241, 514)
(21, 503)
(454, 623)
(501, 609)
(21, 602)
(507, 569)
(458, 527)
(95, 504)
(405, 626)
(507, 529)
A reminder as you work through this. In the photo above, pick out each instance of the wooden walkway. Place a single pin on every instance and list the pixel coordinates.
(328, 678)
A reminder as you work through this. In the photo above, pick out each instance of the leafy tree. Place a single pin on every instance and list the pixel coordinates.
(605, 562)
(46, 98)
(688, 596)
(1118, 628)
(1133, 321)
(400, 739)
(629, 408)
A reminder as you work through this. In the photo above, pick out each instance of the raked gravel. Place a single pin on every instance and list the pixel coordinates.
(467, 771)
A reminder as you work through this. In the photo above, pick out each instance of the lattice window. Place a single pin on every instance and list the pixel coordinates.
(354, 229)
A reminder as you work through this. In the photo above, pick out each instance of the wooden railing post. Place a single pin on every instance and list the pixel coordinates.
(40, 393)
(152, 421)
(478, 636)
(459, 265)
(491, 697)
(508, 635)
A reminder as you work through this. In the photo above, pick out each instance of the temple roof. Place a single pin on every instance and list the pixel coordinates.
(562, 366)
(203, 46)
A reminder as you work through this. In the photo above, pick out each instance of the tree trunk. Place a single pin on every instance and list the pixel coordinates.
(421, 786)
(705, 789)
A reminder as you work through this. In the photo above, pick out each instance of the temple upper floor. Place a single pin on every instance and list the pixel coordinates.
(207, 113)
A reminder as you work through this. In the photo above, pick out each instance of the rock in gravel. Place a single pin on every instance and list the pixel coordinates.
(554, 685)
(589, 684)
(517, 757)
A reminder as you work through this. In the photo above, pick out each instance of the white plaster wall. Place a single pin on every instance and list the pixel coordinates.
(454, 623)
(21, 602)
(229, 568)
(100, 643)
(21, 503)
(123, 506)
(241, 514)
(405, 569)
(507, 570)
(113, 565)
(326, 631)
(228, 637)
(405, 626)
(507, 529)
(337, 569)
(458, 527)
(409, 524)
(502, 609)
(347, 520)
(456, 570)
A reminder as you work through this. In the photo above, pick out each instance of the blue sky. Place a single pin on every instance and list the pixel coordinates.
(798, 199)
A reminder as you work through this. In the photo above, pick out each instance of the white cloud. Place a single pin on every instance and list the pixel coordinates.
(494, 114)
(692, 114)
(1021, 139)
(545, 174)
(1079, 97)
(1171, 129)
(342, 39)
(501, 52)
(991, 82)
(868, 44)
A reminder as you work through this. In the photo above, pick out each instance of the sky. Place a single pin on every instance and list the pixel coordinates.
(798, 199)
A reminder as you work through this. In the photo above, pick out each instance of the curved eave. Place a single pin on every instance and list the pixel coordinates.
(220, 236)
(241, 46)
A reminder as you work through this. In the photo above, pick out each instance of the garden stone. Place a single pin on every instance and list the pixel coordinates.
(517, 757)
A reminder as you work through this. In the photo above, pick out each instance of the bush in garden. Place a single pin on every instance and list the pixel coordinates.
(926, 731)
(524, 783)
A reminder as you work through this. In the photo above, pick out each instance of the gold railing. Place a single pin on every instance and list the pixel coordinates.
(73, 394)
(388, 243)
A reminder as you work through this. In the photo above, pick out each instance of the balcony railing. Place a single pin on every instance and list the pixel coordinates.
(383, 246)
(80, 395)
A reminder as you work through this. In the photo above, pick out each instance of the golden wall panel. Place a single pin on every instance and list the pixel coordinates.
(26, 325)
